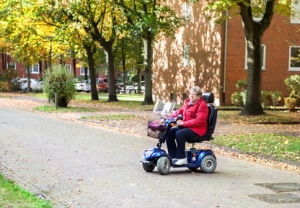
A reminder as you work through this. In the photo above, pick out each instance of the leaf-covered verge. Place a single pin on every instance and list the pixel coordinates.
(12, 195)
(282, 146)
(270, 117)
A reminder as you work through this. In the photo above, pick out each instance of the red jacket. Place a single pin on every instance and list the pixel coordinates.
(194, 115)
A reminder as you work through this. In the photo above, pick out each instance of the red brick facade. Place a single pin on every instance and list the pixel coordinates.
(277, 39)
(217, 56)
(204, 40)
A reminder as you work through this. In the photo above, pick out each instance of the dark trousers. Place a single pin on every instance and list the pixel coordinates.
(180, 135)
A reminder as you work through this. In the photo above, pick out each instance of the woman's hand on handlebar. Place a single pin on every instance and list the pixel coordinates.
(179, 123)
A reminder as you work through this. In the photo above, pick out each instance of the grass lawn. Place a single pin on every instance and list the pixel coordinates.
(14, 196)
(279, 147)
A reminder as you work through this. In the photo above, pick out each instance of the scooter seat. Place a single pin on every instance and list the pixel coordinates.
(199, 139)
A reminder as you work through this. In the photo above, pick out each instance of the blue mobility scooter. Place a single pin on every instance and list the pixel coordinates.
(204, 159)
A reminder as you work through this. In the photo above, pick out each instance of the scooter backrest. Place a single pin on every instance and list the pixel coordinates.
(208, 97)
(212, 119)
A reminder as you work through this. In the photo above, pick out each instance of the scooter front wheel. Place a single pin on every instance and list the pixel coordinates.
(163, 165)
(148, 167)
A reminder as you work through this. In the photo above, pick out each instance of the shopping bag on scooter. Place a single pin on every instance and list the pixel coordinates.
(154, 128)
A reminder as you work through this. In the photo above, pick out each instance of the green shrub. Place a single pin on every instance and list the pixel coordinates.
(237, 99)
(270, 98)
(7, 76)
(241, 85)
(293, 84)
(4, 86)
(290, 103)
(60, 81)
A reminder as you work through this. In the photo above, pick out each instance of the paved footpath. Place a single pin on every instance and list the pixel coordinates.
(80, 166)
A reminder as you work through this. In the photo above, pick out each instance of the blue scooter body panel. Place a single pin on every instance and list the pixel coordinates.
(154, 153)
(194, 157)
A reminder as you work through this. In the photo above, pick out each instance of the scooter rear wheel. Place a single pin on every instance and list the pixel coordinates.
(163, 165)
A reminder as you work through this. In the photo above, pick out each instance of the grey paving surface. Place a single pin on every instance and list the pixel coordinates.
(80, 166)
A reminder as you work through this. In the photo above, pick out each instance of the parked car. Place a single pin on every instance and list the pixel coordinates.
(80, 86)
(102, 85)
(142, 87)
(133, 88)
(129, 89)
(35, 85)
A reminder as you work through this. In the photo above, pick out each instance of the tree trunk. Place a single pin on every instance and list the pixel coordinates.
(74, 66)
(112, 96)
(90, 50)
(41, 70)
(139, 75)
(148, 59)
(28, 79)
(253, 100)
(86, 73)
(4, 59)
(253, 32)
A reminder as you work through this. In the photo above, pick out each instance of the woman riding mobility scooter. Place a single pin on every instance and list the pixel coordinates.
(204, 159)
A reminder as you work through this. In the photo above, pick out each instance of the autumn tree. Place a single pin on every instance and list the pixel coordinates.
(147, 19)
(254, 29)
(26, 35)
(103, 21)
(83, 48)
(129, 56)
(20, 33)
(100, 21)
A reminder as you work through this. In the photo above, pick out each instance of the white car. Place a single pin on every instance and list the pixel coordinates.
(142, 86)
(80, 86)
(35, 85)
(87, 86)
(129, 89)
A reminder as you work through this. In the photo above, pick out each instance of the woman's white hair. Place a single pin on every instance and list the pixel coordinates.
(197, 90)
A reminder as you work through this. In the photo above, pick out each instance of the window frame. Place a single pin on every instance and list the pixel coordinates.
(68, 68)
(11, 65)
(295, 12)
(186, 55)
(263, 65)
(290, 68)
(187, 10)
(81, 71)
(34, 68)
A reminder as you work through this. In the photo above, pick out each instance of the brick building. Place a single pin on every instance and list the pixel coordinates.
(213, 56)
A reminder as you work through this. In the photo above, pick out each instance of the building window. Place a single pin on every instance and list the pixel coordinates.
(82, 70)
(262, 54)
(186, 55)
(295, 16)
(11, 65)
(68, 68)
(35, 69)
(294, 58)
(186, 8)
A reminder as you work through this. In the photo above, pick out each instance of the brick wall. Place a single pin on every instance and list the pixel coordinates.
(277, 38)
